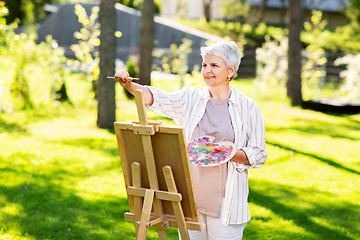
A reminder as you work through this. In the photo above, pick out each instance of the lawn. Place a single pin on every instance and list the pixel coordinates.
(61, 176)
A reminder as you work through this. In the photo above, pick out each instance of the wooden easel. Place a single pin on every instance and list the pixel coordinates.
(155, 200)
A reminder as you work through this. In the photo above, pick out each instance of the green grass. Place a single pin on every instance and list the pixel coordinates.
(60, 176)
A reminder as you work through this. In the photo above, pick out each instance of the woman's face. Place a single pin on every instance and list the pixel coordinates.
(214, 71)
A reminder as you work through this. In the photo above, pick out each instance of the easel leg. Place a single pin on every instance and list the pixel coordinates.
(153, 181)
(162, 234)
(179, 214)
(158, 210)
(136, 179)
(145, 215)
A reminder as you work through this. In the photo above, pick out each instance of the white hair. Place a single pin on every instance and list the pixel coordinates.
(227, 51)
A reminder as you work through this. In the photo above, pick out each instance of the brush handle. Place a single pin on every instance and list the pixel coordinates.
(131, 78)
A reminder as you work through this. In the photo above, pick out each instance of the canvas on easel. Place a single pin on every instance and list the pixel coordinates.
(157, 176)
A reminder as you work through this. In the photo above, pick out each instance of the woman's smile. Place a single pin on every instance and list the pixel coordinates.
(209, 77)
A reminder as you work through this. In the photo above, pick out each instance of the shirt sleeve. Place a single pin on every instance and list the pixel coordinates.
(255, 147)
(170, 105)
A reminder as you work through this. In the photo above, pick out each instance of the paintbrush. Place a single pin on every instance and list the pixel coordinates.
(131, 78)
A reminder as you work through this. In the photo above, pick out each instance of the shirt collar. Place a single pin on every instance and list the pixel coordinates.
(205, 93)
(232, 98)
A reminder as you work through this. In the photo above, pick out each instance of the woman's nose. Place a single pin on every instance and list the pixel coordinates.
(206, 69)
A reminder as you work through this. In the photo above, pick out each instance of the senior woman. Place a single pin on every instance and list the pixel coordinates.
(220, 110)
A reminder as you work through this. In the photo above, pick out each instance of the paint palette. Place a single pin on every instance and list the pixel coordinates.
(204, 152)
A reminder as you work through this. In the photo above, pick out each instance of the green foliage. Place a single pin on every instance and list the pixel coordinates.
(175, 61)
(133, 69)
(351, 76)
(27, 7)
(27, 11)
(195, 78)
(33, 71)
(353, 12)
(344, 38)
(136, 4)
(234, 9)
(88, 39)
(272, 62)
(37, 71)
(313, 68)
(86, 49)
(6, 30)
(182, 9)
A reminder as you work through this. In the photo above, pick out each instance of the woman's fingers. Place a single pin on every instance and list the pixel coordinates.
(220, 148)
(122, 76)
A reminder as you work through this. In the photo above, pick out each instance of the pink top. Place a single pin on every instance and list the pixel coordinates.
(210, 182)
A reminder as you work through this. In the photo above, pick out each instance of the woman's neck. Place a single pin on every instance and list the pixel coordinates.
(220, 93)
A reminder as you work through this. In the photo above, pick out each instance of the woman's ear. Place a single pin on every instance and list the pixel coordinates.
(231, 72)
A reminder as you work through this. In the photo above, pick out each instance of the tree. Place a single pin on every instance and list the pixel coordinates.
(258, 16)
(207, 9)
(146, 41)
(107, 54)
(353, 11)
(282, 14)
(293, 84)
(27, 11)
(235, 10)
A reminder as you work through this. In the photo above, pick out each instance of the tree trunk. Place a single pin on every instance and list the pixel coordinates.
(146, 41)
(207, 9)
(282, 14)
(293, 84)
(259, 15)
(107, 53)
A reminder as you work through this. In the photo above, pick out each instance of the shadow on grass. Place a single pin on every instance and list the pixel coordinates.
(322, 159)
(48, 211)
(319, 127)
(10, 127)
(51, 212)
(314, 218)
(43, 204)
(351, 119)
(108, 146)
(16, 122)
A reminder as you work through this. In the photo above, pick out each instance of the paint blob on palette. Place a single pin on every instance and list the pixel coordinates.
(204, 152)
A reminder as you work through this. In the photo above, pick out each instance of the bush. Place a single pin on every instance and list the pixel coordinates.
(133, 69)
(351, 75)
(33, 71)
(136, 4)
(313, 67)
(88, 39)
(272, 62)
